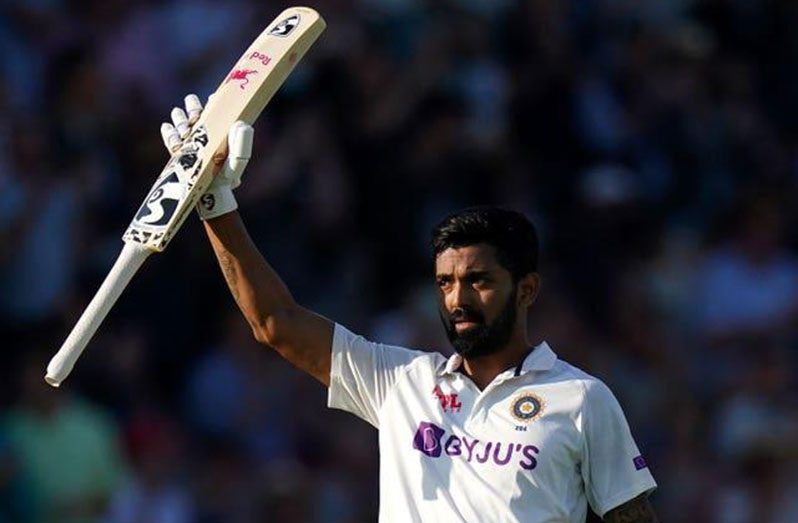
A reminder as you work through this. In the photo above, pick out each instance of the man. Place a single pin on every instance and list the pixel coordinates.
(498, 432)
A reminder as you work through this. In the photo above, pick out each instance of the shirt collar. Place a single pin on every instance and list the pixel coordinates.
(541, 358)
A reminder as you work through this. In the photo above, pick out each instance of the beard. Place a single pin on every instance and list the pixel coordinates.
(483, 339)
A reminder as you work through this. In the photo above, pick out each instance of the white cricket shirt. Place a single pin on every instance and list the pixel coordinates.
(537, 445)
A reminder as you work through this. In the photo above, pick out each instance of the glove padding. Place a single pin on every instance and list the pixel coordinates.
(218, 199)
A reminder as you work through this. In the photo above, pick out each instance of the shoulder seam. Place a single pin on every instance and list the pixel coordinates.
(403, 377)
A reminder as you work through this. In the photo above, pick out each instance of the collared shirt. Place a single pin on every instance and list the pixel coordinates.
(538, 444)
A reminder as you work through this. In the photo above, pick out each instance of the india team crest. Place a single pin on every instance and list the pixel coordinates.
(527, 407)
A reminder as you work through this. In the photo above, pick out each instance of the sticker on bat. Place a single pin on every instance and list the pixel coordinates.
(260, 57)
(134, 235)
(200, 136)
(241, 75)
(161, 203)
(285, 27)
(190, 154)
(187, 160)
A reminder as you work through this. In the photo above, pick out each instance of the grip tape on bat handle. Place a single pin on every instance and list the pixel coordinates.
(129, 261)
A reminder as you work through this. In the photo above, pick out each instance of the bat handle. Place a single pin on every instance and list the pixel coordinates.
(129, 261)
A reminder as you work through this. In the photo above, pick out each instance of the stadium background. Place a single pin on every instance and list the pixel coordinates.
(653, 142)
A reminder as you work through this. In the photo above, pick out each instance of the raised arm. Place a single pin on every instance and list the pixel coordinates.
(299, 335)
(637, 510)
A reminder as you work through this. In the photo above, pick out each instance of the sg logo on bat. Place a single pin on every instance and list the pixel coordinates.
(161, 204)
(285, 27)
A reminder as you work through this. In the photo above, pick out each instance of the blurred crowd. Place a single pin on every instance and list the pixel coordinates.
(653, 142)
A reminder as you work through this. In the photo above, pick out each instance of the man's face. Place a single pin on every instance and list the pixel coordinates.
(477, 299)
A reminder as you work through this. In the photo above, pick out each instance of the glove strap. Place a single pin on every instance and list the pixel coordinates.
(216, 202)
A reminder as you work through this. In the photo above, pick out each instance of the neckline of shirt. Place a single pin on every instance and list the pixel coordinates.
(541, 358)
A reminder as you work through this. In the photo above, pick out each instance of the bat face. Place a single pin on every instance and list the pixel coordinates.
(242, 95)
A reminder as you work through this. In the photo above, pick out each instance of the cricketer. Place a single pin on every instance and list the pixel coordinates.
(501, 430)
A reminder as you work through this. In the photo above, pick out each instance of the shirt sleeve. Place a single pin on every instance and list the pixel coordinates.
(613, 470)
(362, 373)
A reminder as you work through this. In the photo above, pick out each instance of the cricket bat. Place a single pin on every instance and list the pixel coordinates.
(242, 95)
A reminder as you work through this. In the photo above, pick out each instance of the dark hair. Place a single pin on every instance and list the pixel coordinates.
(512, 235)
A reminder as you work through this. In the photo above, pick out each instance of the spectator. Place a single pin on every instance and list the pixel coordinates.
(67, 447)
(750, 284)
(154, 491)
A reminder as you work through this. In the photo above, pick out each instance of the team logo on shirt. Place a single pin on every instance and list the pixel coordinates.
(527, 407)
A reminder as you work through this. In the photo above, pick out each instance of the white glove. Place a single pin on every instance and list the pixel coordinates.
(218, 199)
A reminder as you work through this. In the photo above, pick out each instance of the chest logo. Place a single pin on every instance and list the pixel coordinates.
(449, 402)
(527, 407)
(434, 442)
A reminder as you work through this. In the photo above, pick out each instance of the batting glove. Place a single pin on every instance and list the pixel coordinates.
(218, 199)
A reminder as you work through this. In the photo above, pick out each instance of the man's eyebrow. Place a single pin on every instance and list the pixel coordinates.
(471, 274)
(474, 274)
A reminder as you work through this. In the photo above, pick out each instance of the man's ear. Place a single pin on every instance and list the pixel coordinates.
(528, 289)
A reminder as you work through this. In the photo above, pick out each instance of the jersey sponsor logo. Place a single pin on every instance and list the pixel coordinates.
(640, 463)
(527, 407)
(449, 402)
(431, 441)
(285, 27)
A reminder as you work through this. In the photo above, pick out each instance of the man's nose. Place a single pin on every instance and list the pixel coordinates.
(461, 297)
